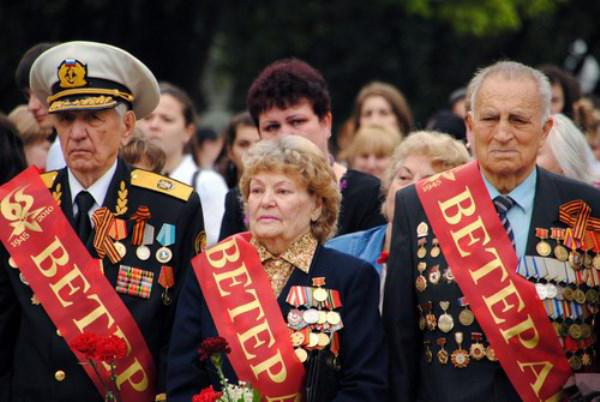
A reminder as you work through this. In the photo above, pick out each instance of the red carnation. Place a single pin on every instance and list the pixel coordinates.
(85, 344)
(211, 346)
(110, 348)
(208, 394)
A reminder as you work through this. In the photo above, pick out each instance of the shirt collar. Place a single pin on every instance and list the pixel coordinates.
(185, 170)
(300, 253)
(523, 194)
(97, 190)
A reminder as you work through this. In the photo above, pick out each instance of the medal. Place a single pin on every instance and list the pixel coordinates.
(435, 249)
(301, 354)
(421, 282)
(459, 357)
(318, 293)
(421, 318)
(12, 263)
(120, 247)
(143, 251)
(551, 291)
(587, 260)
(586, 330)
(297, 338)
(295, 319)
(575, 362)
(477, 350)
(490, 353)
(311, 316)
(333, 318)
(448, 275)
(165, 237)
(442, 354)
(166, 279)
(560, 252)
(543, 248)
(118, 231)
(421, 251)
(313, 340)
(575, 331)
(586, 359)
(466, 316)
(428, 353)
(579, 296)
(22, 279)
(540, 288)
(434, 274)
(422, 229)
(445, 322)
(575, 260)
(34, 300)
(430, 319)
(323, 340)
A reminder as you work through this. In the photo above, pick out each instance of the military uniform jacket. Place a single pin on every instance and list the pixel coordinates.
(415, 376)
(360, 208)
(362, 358)
(32, 353)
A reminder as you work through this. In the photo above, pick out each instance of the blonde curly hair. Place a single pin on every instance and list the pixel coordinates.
(303, 161)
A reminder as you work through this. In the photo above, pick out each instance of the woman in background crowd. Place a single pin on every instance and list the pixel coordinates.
(171, 126)
(240, 134)
(420, 155)
(36, 138)
(566, 152)
(371, 150)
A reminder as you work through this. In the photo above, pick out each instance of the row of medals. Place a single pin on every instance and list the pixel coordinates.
(312, 327)
(459, 356)
(578, 329)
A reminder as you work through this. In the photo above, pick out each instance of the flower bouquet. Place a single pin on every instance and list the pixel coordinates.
(98, 350)
(212, 349)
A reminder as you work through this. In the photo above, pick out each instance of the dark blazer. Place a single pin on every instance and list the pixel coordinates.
(411, 377)
(363, 358)
(360, 208)
(30, 349)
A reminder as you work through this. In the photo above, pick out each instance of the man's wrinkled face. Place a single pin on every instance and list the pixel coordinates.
(90, 139)
(507, 126)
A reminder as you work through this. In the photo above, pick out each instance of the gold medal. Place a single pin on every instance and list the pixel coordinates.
(564, 329)
(320, 294)
(586, 359)
(579, 296)
(313, 340)
(435, 249)
(323, 340)
(591, 296)
(297, 338)
(428, 352)
(575, 260)
(421, 252)
(477, 350)
(596, 262)
(490, 353)
(121, 249)
(575, 331)
(430, 321)
(543, 248)
(561, 253)
(445, 322)
(301, 354)
(466, 317)
(568, 294)
(421, 282)
(322, 318)
(333, 318)
(586, 330)
(575, 362)
(459, 357)
(442, 354)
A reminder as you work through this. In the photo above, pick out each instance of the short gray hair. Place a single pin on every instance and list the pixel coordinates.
(571, 150)
(512, 70)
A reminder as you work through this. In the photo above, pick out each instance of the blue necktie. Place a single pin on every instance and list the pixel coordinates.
(503, 204)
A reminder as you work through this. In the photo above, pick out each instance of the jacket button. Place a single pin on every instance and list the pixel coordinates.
(59, 375)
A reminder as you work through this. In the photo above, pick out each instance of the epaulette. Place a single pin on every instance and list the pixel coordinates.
(156, 182)
(49, 177)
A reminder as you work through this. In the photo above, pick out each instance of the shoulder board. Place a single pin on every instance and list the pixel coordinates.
(49, 177)
(156, 182)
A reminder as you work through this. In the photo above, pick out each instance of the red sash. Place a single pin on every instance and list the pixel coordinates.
(484, 263)
(243, 306)
(68, 282)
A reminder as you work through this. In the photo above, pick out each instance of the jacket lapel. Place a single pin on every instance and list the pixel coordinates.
(545, 207)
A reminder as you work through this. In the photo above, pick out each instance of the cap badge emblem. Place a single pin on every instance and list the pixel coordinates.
(72, 74)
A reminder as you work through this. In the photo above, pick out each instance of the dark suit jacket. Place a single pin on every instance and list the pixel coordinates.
(30, 349)
(411, 377)
(360, 208)
(362, 356)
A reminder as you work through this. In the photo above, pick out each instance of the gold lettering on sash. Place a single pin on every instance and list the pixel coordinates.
(93, 315)
(469, 230)
(540, 373)
(457, 202)
(55, 260)
(135, 370)
(501, 296)
(267, 365)
(520, 328)
(494, 264)
(253, 333)
(233, 274)
(221, 249)
(68, 280)
(244, 308)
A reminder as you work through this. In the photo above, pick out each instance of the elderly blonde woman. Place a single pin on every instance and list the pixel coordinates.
(317, 307)
(419, 156)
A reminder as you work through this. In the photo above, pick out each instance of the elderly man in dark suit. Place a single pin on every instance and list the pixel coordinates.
(447, 305)
(143, 227)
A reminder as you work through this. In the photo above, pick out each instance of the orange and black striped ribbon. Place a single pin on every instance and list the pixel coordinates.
(103, 220)
(576, 214)
(140, 217)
